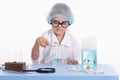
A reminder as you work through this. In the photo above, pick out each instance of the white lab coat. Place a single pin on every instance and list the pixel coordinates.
(68, 49)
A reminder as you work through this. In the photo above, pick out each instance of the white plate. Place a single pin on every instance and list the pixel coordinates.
(1, 67)
(97, 71)
(75, 68)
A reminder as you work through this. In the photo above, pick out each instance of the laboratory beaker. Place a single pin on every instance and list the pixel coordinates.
(57, 61)
(89, 53)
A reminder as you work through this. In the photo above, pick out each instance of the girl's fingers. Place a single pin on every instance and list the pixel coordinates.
(72, 62)
(42, 41)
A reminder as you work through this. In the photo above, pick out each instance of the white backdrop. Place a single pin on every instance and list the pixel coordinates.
(22, 21)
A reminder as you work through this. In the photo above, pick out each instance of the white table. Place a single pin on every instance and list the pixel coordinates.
(62, 73)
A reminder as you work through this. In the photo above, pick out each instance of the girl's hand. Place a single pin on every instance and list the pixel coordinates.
(42, 41)
(72, 61)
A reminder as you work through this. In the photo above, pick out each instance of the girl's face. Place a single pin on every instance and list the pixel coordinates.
(59, 25)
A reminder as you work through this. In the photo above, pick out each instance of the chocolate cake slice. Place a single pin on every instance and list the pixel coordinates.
(15, 66)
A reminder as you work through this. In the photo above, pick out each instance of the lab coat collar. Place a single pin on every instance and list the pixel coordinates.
(65, 42)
